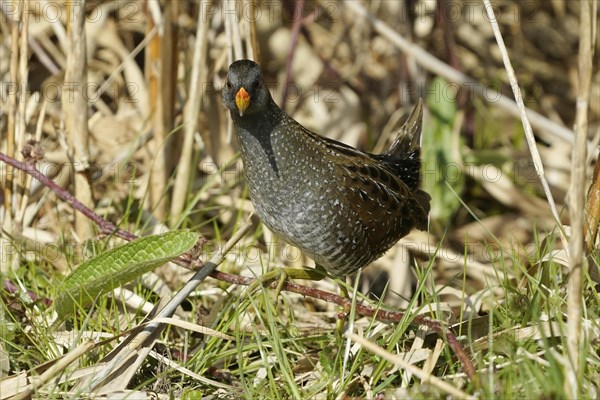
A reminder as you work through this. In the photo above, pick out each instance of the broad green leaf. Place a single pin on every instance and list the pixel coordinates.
(442, 160)
(120, 265)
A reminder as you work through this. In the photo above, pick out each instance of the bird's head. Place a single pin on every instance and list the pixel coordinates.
(245, 92)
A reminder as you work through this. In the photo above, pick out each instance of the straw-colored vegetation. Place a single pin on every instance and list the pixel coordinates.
(118, 103)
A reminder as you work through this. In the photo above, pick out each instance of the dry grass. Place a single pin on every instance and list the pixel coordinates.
(505, 262)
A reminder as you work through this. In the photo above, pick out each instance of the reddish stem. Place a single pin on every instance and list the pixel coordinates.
(185, 261)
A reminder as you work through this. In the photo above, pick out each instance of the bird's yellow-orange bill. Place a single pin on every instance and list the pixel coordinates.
(242, 100)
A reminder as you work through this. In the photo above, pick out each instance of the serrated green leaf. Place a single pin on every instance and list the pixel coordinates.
(120, 265)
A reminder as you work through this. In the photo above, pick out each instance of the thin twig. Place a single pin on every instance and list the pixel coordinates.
(104, 225)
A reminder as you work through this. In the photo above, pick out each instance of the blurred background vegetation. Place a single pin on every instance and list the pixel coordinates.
(126, 109)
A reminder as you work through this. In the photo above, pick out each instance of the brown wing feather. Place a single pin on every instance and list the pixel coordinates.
(385, 204)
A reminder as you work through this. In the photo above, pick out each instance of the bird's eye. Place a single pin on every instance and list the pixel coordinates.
(257, 84)
(229, 85)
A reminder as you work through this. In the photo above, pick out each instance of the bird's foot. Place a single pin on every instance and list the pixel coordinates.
(281, 275)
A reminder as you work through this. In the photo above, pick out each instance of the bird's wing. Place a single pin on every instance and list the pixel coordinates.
(386, 206)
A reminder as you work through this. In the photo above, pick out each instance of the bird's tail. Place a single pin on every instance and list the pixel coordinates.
(409, 136)
(404, 155)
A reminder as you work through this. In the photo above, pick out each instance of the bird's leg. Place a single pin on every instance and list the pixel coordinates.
(282, 275)
(344, 292)
(311, 274)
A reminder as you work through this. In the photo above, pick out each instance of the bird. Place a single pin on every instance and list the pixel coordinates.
(342, 207)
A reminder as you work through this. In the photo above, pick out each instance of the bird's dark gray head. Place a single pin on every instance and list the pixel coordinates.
(245, 91)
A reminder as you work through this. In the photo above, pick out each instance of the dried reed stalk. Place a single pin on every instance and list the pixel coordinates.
(20, 195)
(577, 260)
(190, 116)
(75, 110)
(6, 225)
(158, 172)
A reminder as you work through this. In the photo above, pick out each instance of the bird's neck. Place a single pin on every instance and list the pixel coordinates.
(261, 123)
(257, 134)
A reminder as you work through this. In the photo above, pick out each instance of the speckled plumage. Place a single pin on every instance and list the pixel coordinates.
(342, 207)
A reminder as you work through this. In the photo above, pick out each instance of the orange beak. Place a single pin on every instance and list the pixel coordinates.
(242, 101)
